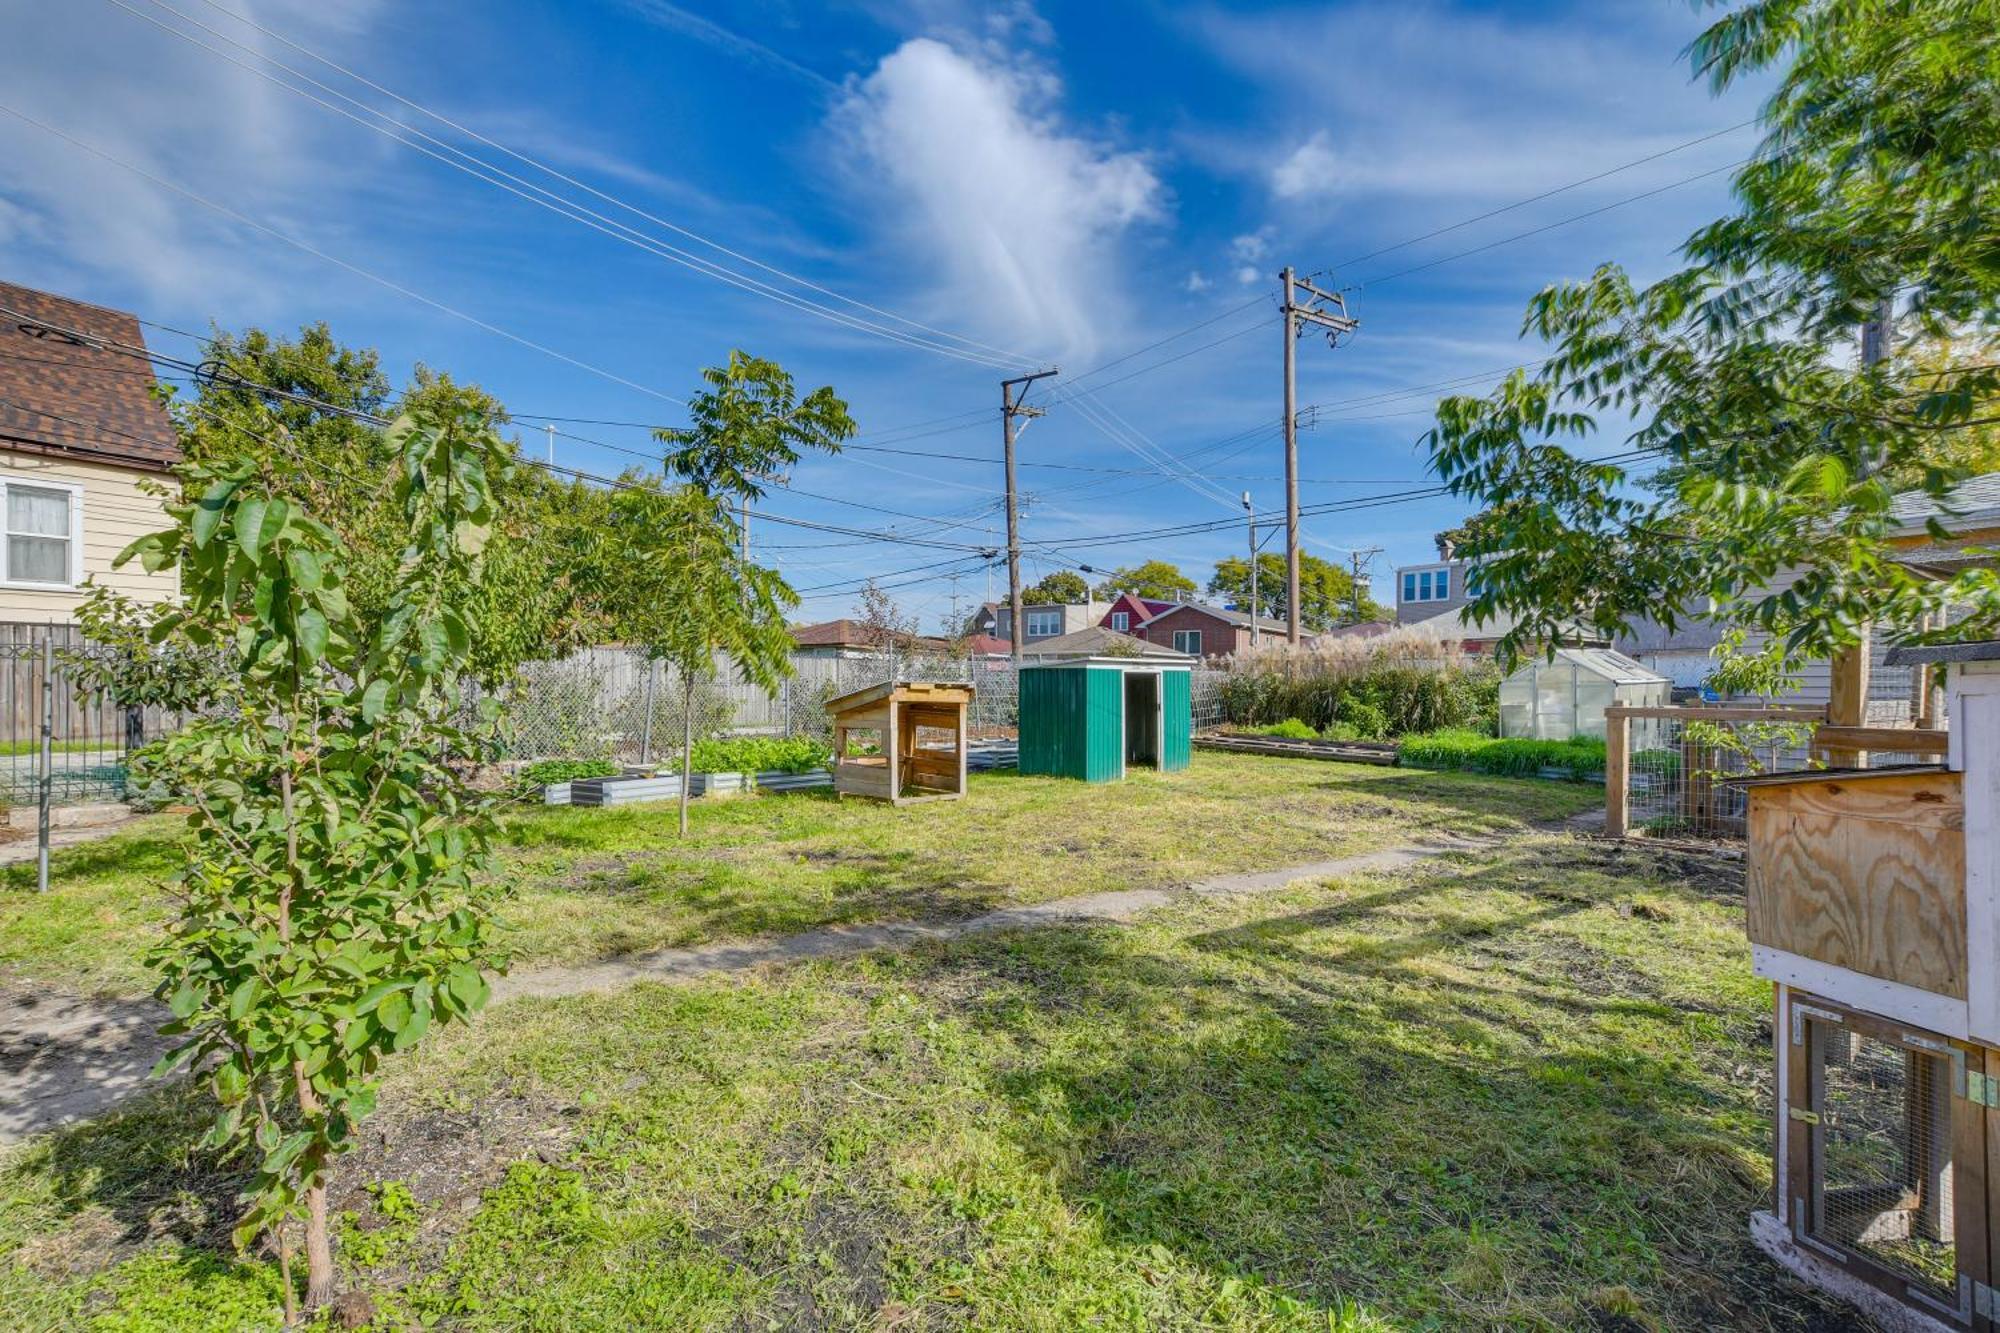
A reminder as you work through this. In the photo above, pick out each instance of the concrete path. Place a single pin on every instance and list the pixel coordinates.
(65, 1058)
(846, 941)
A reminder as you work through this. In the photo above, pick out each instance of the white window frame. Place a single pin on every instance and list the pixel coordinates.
(1182, 637)
(1121, 621)
(1039, 621)
(75, 493)
(1427, 583)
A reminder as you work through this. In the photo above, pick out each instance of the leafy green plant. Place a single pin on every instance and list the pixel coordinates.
(1580, 758)
(332, 907)
(1290, 729)
(760, 754)
(551, 771)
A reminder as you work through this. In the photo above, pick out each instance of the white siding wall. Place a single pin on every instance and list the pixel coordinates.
(115, 511)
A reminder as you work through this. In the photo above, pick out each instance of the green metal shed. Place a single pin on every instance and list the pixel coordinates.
(1094, 717)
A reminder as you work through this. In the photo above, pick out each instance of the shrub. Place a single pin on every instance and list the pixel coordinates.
(1290, 729)
(1580, 758)
(548, 772)
(1394, 685)
(1661, 763)
(760, 754)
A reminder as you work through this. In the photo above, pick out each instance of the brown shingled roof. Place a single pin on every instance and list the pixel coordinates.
(80, 396)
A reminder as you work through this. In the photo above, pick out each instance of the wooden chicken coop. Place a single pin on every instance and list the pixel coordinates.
(1874, 905)
(918, 747)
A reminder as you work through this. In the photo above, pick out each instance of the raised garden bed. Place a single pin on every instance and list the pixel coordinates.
(1352, 752)
(667, 786)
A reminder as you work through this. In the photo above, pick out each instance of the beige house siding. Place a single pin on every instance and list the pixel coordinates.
(114, 511)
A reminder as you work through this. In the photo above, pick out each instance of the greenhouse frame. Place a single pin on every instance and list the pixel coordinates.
(1559, 699)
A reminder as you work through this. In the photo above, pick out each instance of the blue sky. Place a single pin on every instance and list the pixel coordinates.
(1057, 183)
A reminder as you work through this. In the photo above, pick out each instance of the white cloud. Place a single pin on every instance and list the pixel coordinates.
(1196, 283)
(1017, 216)
(1312, 169)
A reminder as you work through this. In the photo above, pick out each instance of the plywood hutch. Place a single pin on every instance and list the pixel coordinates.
(1874, 905)
(918, 753)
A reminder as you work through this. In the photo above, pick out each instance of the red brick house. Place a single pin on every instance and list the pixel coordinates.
(1206, 631)
(1131, 611)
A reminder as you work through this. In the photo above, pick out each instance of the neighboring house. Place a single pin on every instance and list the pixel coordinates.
(1097, 641)
(1425, 592)
(1208, 631)
(986, 620)
(1047, 621)
(1129, 611)
(79, 433)
(986, 645)
(1971, 515)
(1457, 626)
(1366, 629)
(851, 638)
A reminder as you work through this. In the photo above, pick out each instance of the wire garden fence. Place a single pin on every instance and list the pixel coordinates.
(1666, 767)
(45, 681)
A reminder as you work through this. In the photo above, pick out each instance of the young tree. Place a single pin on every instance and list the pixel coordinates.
(1156, 580)
(332, 906)
(690, 595)
(883, 623)
(1780, 449)
(685, 595)
(1064, 587)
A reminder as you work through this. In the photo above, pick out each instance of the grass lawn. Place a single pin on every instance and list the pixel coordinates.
(590, 884)
(1518, 1089)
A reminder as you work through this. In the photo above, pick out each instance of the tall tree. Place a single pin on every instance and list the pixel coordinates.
(883, 623)
(1064, 587)
(1875, 186)
(331, 907)
(1326, 589)
(1156, 580)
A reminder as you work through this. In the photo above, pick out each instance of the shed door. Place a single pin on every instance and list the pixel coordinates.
(1177, 719)
(1104, 724)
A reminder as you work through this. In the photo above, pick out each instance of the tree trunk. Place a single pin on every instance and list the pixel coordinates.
(687, 744)
(319, 1249)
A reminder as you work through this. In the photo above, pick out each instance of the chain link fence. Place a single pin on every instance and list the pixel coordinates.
(610, 703)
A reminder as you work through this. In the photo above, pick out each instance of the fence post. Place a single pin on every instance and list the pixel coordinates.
(1617, 773)
(48, 774)
(646, 726)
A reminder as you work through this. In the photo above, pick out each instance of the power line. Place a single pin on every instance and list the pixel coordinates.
(355, 269)
(543, 197)
(1547, 194)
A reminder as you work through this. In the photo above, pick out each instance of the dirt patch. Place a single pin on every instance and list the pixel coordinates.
(447, 1158)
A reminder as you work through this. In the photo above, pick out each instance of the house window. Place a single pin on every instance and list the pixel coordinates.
(1044, 624)
(42, 537)
(1424, 586)
(1444, 585)
(1121, 621)
(1188, 641)
(1427, 585)
(1409, 587)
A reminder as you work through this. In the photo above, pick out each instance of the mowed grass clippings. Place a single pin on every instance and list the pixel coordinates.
(1519, 1089)
(589, 884)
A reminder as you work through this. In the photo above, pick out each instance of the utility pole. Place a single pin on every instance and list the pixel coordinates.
(1250, 521)
(551, 429)
(1327, 310)
(1847, 688)
(1011, 393)
(1360, 560)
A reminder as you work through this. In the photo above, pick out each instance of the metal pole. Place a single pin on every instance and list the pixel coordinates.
(1291, 462)
(48, 775)
(1250, 520)
(552, 442)
(646, 726)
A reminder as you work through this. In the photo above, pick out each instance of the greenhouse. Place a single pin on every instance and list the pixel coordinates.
(1556, 700)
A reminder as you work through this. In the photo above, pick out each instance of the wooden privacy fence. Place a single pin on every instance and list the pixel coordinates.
(1664, 765)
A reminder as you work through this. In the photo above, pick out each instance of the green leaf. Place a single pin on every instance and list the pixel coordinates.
(208, 511)
(372, 998)
(313, 633)
(413, 1031)
(374, 699)
(250, 526)
(394, 1011)
(244, 996)
(184, 1000)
